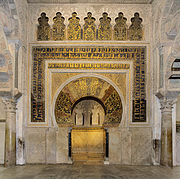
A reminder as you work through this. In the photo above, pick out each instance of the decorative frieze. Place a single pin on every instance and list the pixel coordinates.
(90, 31)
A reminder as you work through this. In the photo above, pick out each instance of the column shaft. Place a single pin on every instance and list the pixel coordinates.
(10, 134)
(166, 139)
(166, 133)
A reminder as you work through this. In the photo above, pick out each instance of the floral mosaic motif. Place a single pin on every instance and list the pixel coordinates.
(63, 108)
(136, 29)
(89, 28)
(113, 108)
(105, 29)
(120, 28)
(44, 30)
(58, 28)
(74, 28)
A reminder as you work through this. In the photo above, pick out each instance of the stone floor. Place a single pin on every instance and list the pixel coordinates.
(78, 171)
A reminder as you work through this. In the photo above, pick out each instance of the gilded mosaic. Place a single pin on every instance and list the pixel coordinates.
(105, 29)
(120, 28)
(41, 54)
(119, 79)
(135, 30)
(58, 29)
(89, 28)
(90, 31)
(74, 28)
(88, 87)
(44, 29)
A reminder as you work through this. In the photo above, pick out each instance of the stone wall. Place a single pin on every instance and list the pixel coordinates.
(126, 146)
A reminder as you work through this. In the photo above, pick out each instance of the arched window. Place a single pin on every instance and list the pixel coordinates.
(175, 69)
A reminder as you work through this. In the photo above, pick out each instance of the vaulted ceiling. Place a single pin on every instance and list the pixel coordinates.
(92, 1)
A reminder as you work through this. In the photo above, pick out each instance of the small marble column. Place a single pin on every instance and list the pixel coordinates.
(10, 134)
(166, 132)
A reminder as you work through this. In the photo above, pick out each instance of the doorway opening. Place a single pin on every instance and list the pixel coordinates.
(88, 143)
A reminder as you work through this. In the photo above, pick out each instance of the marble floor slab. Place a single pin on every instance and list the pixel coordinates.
(79, 171)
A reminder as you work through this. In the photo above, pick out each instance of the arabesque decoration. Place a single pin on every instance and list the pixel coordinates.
(44, 29)
(135, 30)
(59, 27)
(85, 87)
(74, 28)
(120, 28)
(41, 54)
(89, 28)
(90, 31)
(105, 28)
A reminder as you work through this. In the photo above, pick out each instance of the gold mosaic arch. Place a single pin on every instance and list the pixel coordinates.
(85, 87)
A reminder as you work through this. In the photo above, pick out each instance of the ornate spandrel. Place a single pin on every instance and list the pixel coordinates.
(74, 28)
(136, 29)
(43, 30)
(105, 29)
(58, 29)
(120, 28)
(113, 108)
(89, 28)
(63, 109)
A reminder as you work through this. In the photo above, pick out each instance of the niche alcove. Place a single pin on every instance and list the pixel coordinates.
(88, 135)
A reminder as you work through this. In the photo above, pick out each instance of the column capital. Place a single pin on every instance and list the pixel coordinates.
(10, 104)
(166, 104)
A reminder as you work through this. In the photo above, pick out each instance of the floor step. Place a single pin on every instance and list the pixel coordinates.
(88, 158)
